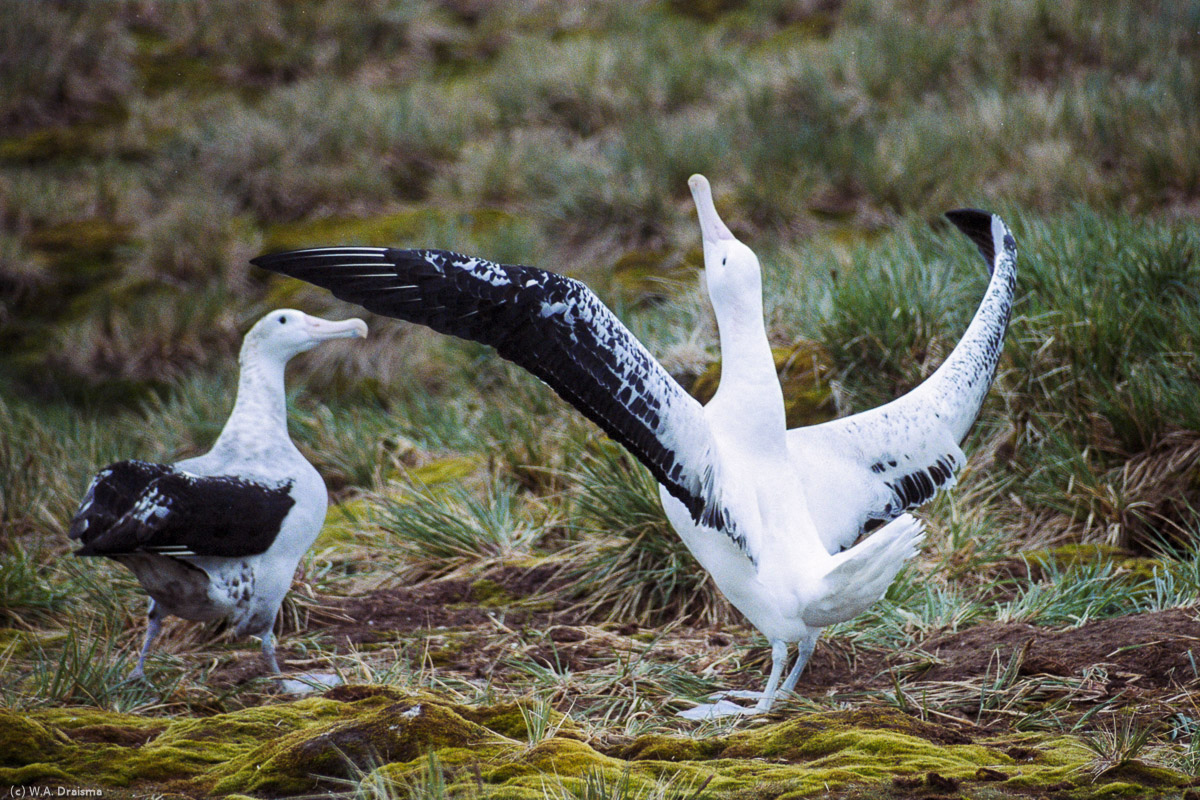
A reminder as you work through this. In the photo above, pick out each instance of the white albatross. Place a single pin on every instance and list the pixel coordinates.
(219, 536)
(772, 514)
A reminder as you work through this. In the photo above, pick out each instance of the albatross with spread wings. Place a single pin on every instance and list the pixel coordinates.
(772, 514)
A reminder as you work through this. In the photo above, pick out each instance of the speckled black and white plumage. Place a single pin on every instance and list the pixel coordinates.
(897, 456)
(551, 325)
(219, 536)
(773, 515)
(138, 507)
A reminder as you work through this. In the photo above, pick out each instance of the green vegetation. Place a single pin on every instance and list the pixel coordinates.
(490, 556)
(374, 742)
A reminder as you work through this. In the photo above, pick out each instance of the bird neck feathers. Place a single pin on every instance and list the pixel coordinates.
(260, 410)
(749, 400)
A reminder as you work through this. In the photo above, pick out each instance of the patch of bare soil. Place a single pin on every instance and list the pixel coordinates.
(474, 626)
(452, 603)
(1152, 650)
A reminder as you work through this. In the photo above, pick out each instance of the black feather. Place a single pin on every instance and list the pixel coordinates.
(977, 225)
(181, 513)
(112, 493)
(550, 324)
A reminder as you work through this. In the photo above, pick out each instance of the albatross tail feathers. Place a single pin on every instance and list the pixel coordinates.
(861, 575)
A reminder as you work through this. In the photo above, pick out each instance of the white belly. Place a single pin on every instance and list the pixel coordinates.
(772, 611)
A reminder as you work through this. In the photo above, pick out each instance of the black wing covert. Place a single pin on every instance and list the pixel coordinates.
(113, 491)
(179, 514)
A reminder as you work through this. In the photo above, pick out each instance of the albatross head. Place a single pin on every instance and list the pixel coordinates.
(734, 276)
(286, 332)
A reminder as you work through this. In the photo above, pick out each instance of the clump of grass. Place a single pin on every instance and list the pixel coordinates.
(430, 782)
(637, 568)
(437, 529)
(23, 486)
(84, 667)
(61, 64)
(1106, 310)
(48, 454)
(596, 784)
(897, 313)
(1072, 596)
(539, 720)
(1116, 745)
(623, 688)
(27, 595)
(351, 448)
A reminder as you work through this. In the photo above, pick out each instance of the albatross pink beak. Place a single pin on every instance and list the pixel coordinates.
(322, 329)
(712, 229)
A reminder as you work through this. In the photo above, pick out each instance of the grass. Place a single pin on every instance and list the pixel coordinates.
(440, 528)
(636, 567)
(1116, 745)
(146, 154)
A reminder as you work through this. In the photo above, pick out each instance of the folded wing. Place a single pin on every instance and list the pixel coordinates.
(112, 492)
(179, 514)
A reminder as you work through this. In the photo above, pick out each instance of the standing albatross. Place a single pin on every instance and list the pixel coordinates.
(219, 536)
(772, 514)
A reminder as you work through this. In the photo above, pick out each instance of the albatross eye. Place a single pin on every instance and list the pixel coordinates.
(282, 320)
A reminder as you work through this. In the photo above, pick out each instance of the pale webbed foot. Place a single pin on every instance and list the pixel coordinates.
(717, 710)
(736, 694)
(309, 682)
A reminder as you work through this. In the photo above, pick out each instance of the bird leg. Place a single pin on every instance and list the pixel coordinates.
(268, 648)
(778, 659)
(724, 708)
(154, 619)
(804, 651)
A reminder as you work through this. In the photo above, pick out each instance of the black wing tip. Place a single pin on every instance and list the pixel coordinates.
(278, 261)
(977, 225)
(284, 260)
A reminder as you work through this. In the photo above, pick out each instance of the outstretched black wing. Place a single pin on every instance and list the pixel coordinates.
(551, 325)
(179, 514)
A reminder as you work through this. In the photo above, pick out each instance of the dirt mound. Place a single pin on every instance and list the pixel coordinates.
(1155, 649)
(1151, 652)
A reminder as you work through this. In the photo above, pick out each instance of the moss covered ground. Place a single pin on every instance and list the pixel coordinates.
(302, 746)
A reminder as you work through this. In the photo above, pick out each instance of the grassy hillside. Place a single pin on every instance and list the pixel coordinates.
(148, 150)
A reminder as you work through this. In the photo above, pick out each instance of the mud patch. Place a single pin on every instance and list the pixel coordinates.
(455, 603)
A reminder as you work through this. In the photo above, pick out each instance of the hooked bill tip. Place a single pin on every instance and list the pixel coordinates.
(353, 328)
(712, 228)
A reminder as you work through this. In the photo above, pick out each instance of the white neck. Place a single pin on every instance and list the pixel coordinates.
(748, 398)
(260, 412)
